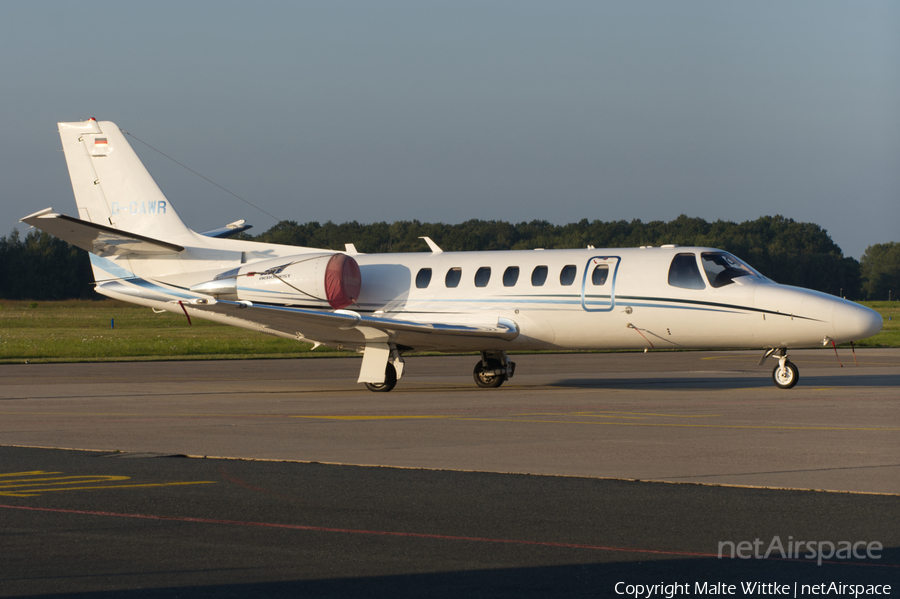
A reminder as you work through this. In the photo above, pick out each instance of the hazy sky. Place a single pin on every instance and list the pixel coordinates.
(448, 111)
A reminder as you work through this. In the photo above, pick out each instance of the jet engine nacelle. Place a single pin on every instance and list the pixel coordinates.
(303, 279)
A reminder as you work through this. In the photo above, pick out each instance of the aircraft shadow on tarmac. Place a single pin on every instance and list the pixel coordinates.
(728, 382)
(575, 580)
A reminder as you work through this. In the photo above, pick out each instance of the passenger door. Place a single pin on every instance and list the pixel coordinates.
(598, 285)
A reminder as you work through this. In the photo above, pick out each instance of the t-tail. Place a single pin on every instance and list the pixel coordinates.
(130, 228)
(113, 188)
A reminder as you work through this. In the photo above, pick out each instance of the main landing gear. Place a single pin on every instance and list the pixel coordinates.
(493, 368)
(786, 374)
(390, 380)
(490, 372)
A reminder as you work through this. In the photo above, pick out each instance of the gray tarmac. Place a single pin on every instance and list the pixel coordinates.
(711, 417)
(541, 488)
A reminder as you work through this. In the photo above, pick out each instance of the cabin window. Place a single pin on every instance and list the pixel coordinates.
(483, 276)
(567, 276)
(539, 276)
(721, 268)
(423, 278)
(600, 274)
(510, 276)
(453, 277)
(683, 272)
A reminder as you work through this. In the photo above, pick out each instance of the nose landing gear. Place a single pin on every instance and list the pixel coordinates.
(786, 374)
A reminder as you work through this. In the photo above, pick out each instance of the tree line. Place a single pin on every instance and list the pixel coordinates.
(41, 267)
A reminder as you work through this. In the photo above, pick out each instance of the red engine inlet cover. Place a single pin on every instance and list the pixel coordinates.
(342, 281)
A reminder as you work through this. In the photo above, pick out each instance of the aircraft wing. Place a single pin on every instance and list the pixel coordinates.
(97, 239)
(353, 330)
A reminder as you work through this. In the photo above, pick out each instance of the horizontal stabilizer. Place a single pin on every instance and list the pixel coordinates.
(228, 230)
(98, 239)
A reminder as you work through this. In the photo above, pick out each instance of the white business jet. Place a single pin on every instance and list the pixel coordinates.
(383, 305)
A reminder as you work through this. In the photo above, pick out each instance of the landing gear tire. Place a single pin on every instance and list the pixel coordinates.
(786, 377)
(390, 380)
(484, 380)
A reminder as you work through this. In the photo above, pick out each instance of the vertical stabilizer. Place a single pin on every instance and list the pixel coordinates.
(112, 187)
(133, 233)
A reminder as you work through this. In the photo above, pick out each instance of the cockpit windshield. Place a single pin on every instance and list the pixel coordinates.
(722, 268)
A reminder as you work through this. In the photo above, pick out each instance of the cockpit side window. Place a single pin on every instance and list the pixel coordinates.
(721, 268)
(683, 272)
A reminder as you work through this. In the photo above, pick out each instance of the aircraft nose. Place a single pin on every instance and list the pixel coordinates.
(852, 322)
